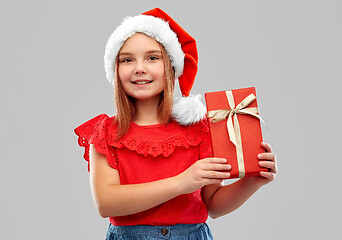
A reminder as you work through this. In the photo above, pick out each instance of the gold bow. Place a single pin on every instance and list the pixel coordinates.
(234, 130)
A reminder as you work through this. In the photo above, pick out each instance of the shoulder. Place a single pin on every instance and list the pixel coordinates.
(97, 126)
(97, 131)
(102, 119)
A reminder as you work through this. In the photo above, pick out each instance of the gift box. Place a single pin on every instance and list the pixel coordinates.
(235, 130)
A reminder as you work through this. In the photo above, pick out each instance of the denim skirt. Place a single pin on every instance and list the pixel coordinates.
(199, 231)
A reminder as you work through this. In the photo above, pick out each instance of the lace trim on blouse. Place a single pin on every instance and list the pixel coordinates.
(100, 132)
(95, 131)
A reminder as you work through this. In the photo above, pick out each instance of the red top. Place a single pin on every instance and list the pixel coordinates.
(150, 153)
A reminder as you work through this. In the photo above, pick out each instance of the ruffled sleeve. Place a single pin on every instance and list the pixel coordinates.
(205, 145)
(96, 131)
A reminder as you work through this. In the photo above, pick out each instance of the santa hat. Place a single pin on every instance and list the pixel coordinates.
(180, 47)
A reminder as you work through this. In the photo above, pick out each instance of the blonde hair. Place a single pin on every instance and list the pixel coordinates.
(125, 106)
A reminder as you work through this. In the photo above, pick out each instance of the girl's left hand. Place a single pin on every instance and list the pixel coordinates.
(267, 160)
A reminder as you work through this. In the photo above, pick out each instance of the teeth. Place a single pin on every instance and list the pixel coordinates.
(142, 82)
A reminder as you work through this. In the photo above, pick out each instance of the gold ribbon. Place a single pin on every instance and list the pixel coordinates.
(234, 130)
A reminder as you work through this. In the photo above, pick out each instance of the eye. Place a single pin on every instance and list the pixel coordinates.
(153, 58)
(126, 60)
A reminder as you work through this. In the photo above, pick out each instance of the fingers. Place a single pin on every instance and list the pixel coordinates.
(215, 164)
(212, 181)
(216, 175)
(268, 175)
(217, 167)
(272, 166)
(214, 160)
(269, 162)
(267, 147)
(267, 156)
(214, 168)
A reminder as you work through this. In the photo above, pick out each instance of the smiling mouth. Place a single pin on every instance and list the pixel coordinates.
(142, 82)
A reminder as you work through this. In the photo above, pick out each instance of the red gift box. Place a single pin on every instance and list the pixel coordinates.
(235, 130)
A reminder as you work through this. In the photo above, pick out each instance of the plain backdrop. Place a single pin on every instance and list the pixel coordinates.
(52, 80)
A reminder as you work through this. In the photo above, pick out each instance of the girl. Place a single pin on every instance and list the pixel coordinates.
(151, 168)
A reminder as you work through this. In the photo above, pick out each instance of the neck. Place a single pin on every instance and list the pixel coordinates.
(147, 111)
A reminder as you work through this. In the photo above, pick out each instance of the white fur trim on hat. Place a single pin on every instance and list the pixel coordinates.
(189, 110)
(151, 26)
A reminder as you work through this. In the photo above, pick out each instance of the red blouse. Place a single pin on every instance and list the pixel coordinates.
(150, 153)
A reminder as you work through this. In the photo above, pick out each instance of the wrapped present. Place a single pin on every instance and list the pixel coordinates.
(235, 130)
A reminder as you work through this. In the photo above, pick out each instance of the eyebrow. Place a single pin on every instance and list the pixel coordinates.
(148, 52)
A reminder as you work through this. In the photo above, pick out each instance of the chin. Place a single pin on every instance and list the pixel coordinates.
(145, 96)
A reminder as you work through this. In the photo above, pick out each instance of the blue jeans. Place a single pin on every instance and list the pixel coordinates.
(199, 231)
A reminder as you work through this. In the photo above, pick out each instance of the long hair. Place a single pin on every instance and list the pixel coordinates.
(125, 105)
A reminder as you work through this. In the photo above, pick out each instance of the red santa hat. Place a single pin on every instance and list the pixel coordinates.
(180, 47)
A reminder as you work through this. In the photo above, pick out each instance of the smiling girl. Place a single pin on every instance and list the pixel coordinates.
(151, 168)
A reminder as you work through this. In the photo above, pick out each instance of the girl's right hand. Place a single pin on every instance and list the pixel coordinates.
(204, 172)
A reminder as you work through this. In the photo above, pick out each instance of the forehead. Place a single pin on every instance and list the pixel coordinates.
(140, 41)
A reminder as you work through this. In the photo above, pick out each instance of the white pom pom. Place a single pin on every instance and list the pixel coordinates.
(189, 110)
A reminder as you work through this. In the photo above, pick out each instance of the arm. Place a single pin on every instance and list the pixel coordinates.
(113, 199)
(226, 199)
(221, 200)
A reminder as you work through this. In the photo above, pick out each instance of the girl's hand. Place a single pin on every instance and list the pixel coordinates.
(204, 172)
(267, 160)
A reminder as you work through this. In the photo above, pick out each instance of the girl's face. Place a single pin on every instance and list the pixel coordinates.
(141, 67)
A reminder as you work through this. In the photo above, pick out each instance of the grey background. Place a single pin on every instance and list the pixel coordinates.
(52, 80)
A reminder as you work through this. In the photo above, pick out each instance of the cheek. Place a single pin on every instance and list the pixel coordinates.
(123, 73)
(159, 71)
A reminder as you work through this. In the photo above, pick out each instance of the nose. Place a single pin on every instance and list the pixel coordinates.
(140, 67)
